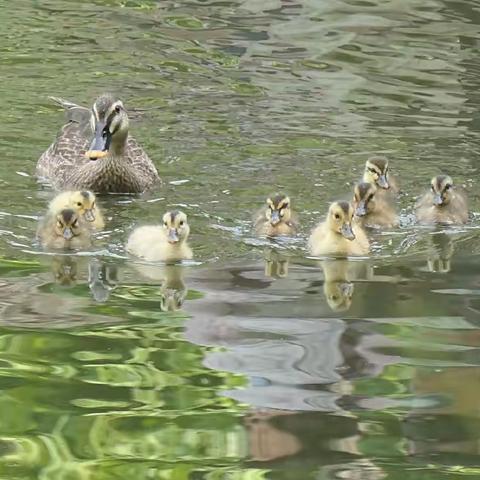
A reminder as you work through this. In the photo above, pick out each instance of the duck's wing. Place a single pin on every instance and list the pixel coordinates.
(141, 162)
(69, 148)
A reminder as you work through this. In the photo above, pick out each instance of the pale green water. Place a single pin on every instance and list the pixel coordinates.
(272, 366)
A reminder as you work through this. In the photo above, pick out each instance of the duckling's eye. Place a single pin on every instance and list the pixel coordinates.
(370, 197)
(181, 223)
(165, 224)
(447, 187)
(372, 170)
(337, 216)
(118, 108)
(79, 204)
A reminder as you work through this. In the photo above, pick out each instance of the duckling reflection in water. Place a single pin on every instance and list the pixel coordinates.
(102, 279)
(64, 230)
(337, 285)
(339, 234)
(277, 218)
(276, 263)
(173, 290)
(166, 243)
(65, 270)
(370, 210)
(444, 203)
(440, 260)
(83, 202)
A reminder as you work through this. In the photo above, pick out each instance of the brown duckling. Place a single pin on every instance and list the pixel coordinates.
(377, 172)
(64, 230)
(166, 243)
(371, 211)
(339, 234)
(444, 203)
(82, 201)
(277, 218)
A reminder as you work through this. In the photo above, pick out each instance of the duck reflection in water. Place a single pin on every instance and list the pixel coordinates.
(102, 279)
(337, 286)
(276, 263)
(173, 290)
(439, 260)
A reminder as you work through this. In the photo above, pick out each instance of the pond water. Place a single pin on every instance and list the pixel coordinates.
(254, 361)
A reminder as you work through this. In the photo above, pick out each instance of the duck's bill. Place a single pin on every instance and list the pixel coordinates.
(361, 210)
(173, 236)
(437, 199)
(382, 182)
(347, 232)
(89, 215)
(101, 142)
(67, 233)
(275, 217)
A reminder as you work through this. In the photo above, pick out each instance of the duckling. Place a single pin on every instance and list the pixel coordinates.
(377, 173)
(444, 203)
(167, 243)
(84, 202)
(371, 211)
(339, 234)
(277, 218)
(64, 229)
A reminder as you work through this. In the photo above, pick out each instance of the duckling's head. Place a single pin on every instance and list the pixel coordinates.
(340, 215)
(376, 172)
(176, 226)
(278, 209)
(442, 190)
(67, 224)
(109, 121)
(364, 198)
(84, 203)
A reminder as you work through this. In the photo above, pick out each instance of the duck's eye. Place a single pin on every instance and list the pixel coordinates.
(337, 216)
(104, 132)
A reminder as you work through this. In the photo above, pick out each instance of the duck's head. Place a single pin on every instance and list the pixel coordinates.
(364, 198)
(442, 190)
(376, 172)
(84, 203)
(67, 224)
(109, 121)
(175, 226)
(340, 215)
(278, 209)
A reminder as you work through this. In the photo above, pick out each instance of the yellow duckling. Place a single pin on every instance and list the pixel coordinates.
(166, 243)
(377, 173)
(64, 230)
(443, 203)
(277, 218)
(371, 211)
(338, 234)
(84, 202)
